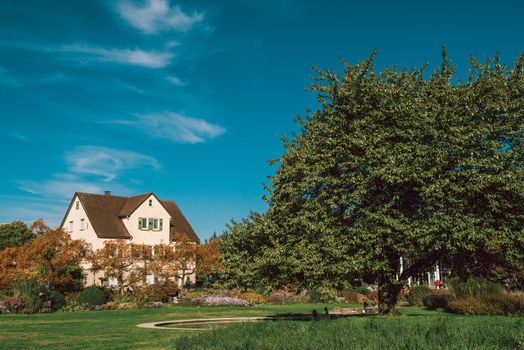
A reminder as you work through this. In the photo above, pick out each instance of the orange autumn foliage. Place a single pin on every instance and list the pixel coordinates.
(51, 258)
(207, 257)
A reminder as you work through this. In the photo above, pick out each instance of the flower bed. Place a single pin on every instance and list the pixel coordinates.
(216, 300)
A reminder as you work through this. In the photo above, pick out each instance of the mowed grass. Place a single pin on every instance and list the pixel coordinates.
(115, 329)
(415, 329)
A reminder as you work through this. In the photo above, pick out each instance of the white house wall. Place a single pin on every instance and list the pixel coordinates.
(88, 234)
(148, 237)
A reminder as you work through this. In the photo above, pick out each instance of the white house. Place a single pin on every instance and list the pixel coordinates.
(142, 219)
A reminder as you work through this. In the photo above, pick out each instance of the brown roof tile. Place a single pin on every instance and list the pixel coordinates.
(102, 213)
(132, 203)
(179, 224)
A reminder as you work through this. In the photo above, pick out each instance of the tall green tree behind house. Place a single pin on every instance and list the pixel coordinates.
(394, 165)
(15, 234)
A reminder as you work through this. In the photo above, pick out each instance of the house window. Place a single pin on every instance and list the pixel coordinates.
(77, 205)
(156, 224)
(70, 226)
(150, 202)
(83, 225)
(150, 279)
(142, 223)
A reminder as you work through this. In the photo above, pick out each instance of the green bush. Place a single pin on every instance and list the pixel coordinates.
(157, 292)
(30, 291)
(416, 295)
(357, 289)
(57, 300)
(475, 287)
(502, 304)
(91, 296)
(438, 299)
(322, 296)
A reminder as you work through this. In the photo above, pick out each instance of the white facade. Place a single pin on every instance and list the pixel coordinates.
(72, 225)
(151, 209)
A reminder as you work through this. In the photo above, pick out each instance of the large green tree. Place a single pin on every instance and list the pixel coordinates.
(15, 234)
(394, 164)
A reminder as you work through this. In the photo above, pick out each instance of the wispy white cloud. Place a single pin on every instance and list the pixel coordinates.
(7, 79)
(175, 81)
(29, 208)
(106, 162)
(137, 57)
(91, 169)
(85, 53)
(175, 127)
(154, 16)
(19, 136)
(60, 186)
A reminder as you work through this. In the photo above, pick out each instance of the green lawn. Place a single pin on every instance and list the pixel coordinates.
(117, 330)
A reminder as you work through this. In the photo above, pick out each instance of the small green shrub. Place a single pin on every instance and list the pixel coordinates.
(416, 295)
(57, 300)
(30, 291)
(502, 304)
(357, 289)
(322, 296)
(91, 296)
(475, 287)
(438, 299)
(282, 297)
(156, 292)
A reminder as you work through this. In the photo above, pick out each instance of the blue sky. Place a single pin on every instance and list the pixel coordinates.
(189, 99)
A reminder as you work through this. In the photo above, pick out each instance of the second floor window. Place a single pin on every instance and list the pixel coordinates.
(150, 224)
(83, 225)
(70, 226)
(142, 223)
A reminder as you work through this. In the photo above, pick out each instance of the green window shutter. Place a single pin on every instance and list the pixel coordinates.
(139, 223)
(161, 224)
(150, 222)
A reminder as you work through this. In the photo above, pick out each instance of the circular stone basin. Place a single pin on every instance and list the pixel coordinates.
(205, 324)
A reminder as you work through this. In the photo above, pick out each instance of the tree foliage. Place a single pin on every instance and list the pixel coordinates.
(130, 264)
(207, 257)
(14, 234)
(393, 164)
(52, 258)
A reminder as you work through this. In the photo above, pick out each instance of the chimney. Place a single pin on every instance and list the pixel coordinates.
(107, 193)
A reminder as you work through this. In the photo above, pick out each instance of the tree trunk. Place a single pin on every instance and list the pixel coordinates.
(388, 292)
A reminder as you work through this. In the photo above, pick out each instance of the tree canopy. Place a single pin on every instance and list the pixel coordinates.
(393, 164)
(14, 234)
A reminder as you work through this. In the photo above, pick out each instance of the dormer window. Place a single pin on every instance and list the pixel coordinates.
(77, 205)
(150, 202)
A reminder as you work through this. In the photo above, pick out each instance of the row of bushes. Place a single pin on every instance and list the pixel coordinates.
(27, 296)
(475, 296)
(503, 304)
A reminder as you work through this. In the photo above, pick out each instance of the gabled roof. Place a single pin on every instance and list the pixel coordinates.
(132, 203)
(105, 213)
(102, 212)
(179, 224)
